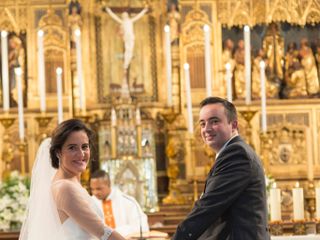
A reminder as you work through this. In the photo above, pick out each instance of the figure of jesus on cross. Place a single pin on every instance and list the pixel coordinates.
(128, 32)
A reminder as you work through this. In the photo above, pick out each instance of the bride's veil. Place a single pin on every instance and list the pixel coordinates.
(42, 220)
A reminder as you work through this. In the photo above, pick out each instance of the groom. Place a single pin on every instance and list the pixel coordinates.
(233, 204)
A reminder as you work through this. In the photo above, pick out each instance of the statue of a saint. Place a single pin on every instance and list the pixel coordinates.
(273, 46)
(239, 71)
(272, 88)
(16, 58)
(310, 68)
(227, 52)
(318, 56)
(74, 20)
(128, 32)
(174, 19)
(294, 75)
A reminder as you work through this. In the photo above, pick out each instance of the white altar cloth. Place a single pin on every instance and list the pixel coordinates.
(300, 237)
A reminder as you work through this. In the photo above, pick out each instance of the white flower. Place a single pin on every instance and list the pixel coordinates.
(13, 200)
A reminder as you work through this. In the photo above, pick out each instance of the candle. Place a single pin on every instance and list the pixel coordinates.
(138, 117)
(113, 133)
(275, 203)
(263, 97)
(18, 73)
(59, 94)
(247, 63)
(318, 202)
(5, 73)
(188, 97)
(79, 70)
(169, 65)
(113, 118)
(229, 83)
(207, 52)
(41, 73)
(298, 203)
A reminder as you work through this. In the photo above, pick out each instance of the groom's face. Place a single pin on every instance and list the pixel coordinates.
(100, 188)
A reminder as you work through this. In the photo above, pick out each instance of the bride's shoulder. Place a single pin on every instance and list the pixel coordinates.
(64, 185)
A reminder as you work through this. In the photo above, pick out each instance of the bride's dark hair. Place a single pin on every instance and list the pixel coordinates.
(62, 132)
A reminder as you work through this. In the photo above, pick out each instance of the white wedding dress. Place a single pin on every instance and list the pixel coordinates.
(71, 230)
(85, 220)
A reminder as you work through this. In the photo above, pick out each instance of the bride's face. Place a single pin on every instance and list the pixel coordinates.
(75, 153)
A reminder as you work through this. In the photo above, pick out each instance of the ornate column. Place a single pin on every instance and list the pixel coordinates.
(7, 148)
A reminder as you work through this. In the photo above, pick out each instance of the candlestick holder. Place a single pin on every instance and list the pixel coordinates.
(22, 153)
(264, 146)
(7, 122)
(248, 115)
(43, 122)
(169, 115)
(311, 200)
(173, 151)
(173, 148)
(299, 227)
(276, 228)
(8, 149)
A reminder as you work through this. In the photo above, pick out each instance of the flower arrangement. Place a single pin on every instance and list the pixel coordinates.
(14, 193)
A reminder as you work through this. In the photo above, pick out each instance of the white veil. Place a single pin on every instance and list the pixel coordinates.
(42, 220)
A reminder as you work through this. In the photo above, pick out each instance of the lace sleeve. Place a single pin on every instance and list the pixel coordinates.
(107, 232)
(75, 202)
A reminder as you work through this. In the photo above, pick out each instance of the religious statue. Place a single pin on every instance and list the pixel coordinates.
(16, 58)
(239, 71)
(294, 75)
(318, 56)
(272, 88)
(273, 45)
(227, 52)
(174, 19)
(309, 66)
(128, 32)
(74, 20)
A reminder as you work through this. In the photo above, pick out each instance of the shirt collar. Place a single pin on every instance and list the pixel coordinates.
(225, 145)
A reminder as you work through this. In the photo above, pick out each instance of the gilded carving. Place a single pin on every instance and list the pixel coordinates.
(251, 12)
(284, 144)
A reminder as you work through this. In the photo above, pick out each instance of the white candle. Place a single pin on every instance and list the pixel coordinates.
(275, 203)
(79, 70)
(318, 202)
(59, 94)
(18, 73)
(247, 63)
(169, 65)
(207, 52)
(263, 97)
(113, 118)
(138, 117)
(298, 203)
(229, 83)
(41, 72)
(5, 73)
(188, 97)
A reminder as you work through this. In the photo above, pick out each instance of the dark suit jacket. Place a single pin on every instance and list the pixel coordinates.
(233, 206)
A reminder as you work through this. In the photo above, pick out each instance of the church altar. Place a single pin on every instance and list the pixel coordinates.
(136, 98)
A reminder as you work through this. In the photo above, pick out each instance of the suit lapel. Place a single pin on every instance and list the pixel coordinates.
(235, 139)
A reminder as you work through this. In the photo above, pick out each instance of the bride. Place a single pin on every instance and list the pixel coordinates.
(59, 207)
